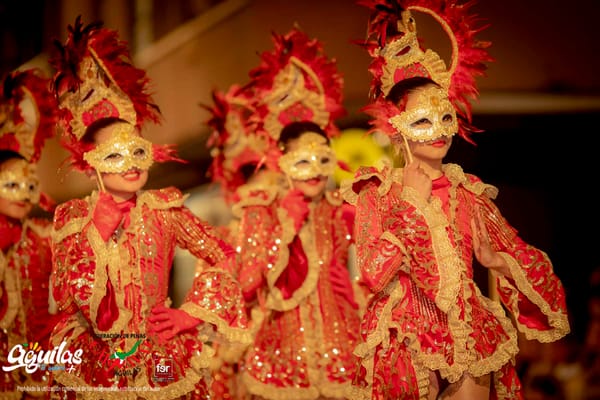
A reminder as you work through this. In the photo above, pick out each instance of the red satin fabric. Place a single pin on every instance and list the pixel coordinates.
(293, 276)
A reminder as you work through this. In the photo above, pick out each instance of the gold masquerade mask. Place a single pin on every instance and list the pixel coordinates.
(312, 159)
(20, 183)
(431, 118)
(124, 151)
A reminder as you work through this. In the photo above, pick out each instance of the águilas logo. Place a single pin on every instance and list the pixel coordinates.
(31, 356)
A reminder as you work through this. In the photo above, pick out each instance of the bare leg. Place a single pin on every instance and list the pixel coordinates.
(434, 386)
(468, 388)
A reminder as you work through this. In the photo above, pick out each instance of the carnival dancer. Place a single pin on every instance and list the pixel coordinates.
(428, 331)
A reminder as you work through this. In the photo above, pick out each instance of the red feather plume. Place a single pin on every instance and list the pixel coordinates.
(469, 57)
(297, 45)
(17, 86)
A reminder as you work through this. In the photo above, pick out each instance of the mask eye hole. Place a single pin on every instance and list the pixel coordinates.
(113, 157)
(302, 163)
(11, 185)
(139, 152)
(325, 160)
(447, 118)
(421, 123)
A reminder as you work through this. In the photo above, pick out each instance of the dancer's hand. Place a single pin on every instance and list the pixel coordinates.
(482, 248)
(414, 176)
(167, 322)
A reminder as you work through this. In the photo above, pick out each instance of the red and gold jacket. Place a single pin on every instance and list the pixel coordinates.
(132, 271)
(416, 256)
(25, 266)
(306, 332)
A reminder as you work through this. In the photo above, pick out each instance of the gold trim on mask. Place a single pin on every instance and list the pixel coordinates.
(125, 150)
(20, 183)
(431, 118)
(312, 159)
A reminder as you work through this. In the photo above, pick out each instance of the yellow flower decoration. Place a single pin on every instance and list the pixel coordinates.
(356, 148)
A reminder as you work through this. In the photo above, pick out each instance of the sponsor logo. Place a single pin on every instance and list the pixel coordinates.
(163, 369)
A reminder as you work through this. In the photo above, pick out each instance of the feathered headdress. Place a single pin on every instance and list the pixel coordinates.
(96, 79)
(397, 53)
(28, 117)
(28, 113)
(233, 142)
(296, 81)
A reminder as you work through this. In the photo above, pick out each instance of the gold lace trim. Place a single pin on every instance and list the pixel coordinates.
(247, 199)
(381, 334)
(108, 258)
(366, 350)
(450, 265)
(12, 292)
(275, 300)
(361, 296)
(72, 227)
(232, 334)
(356, 393)
(347, 192)
(329, 389)
(172, 391)
(393, 239)
(278, 393)
(557, 320)
(199, 364)
(108, 262)
(455, 174)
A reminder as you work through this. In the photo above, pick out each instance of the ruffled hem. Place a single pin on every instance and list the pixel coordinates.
(230, 333)
(198, 370)
(171, 391)
(558, 320)
(381, 334)
(272, 392)
(356, 393)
